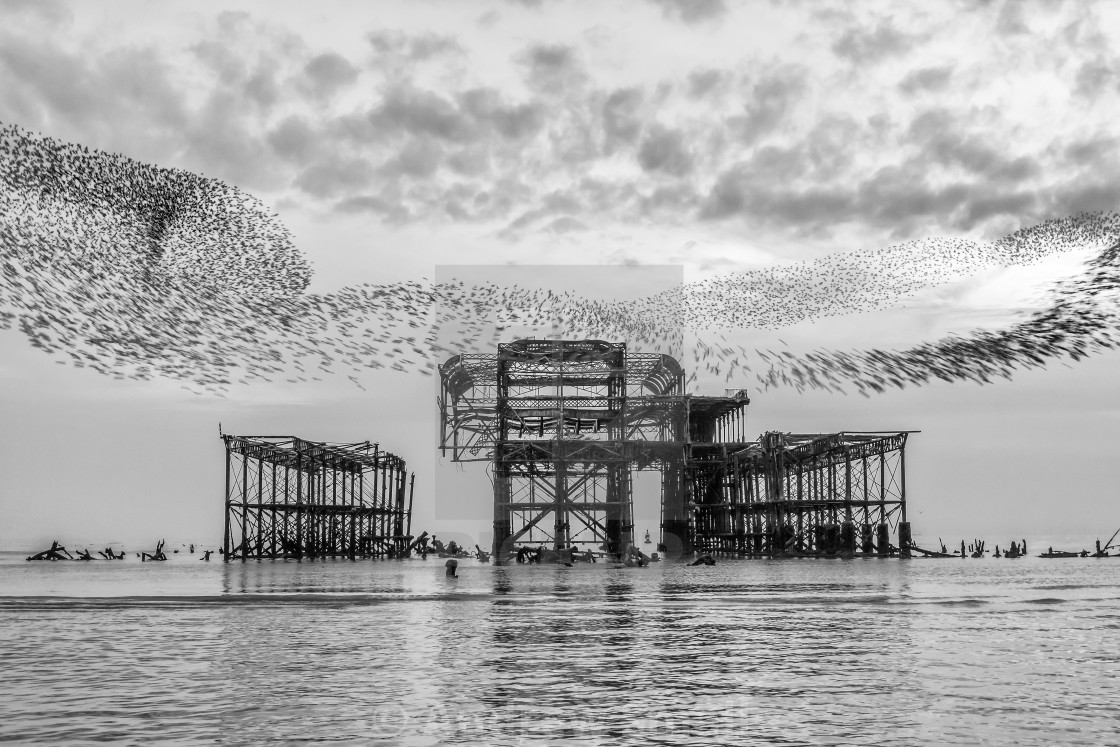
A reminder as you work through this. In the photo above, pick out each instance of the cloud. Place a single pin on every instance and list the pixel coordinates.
(905, 202)
(944, 141)
(585, 200)
(692, 11)
(674, 200)
(807, 186)
(329, 177)
(830, 145)
(261, 87)
(293, 139)
(228, 146)
(486, 107)
(205, 104)
(405, 109)
(53, 11)
(1010, 21)
(863, 47)
(664, 150)
(982, 207)
(703, 82)
(900, 196)
(811, 210)
(412, 47)
(415, 132)
(552, 68)
(771, 99)
(926, 79)
(1096, 76)
(1099, 150)
(727, 197)
(224, 61)
(327, 73)
(1091, 196)
(419, 158)
(565, 224)
(131, 89)
(622, 118)
(470, 162)
(426, 127)
(59, 79)
(747, 193)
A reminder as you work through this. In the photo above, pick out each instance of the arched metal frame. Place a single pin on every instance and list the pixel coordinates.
(565, 422)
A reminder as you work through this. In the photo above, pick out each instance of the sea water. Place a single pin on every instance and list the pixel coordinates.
(866, 651)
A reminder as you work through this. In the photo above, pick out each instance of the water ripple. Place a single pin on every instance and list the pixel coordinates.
(394, 653)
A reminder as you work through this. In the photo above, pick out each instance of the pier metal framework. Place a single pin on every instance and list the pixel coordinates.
(290, 497)
(805, 494)
(564, 423)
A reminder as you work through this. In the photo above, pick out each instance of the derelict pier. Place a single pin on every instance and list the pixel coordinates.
(564, 423)
(803, 494)
(289, 497)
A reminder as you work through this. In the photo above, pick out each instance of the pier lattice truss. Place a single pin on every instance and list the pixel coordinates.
(289, 497)
(834, 494)
(564, 423)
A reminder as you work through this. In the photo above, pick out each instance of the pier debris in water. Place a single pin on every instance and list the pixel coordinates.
(54, 552)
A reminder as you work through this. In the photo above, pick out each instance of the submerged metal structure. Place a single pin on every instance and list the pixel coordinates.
(805, 494)
(565, 423)
(290, 497)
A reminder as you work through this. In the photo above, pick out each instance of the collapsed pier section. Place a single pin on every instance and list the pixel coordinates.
(290, 497)
(835, 494)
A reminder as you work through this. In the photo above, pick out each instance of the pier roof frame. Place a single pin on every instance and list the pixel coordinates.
(308, 456)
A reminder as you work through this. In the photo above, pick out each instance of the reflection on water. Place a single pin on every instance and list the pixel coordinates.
(792, 652)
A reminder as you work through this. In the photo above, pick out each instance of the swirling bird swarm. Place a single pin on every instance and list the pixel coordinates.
(138, 271)
(880, 278)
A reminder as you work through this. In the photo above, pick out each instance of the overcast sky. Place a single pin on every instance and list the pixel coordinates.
(395, 138)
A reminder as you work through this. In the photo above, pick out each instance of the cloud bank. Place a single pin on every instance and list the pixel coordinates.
(979, 119)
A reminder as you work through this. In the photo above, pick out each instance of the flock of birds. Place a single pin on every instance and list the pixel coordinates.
(139, 271)
(1080, 319)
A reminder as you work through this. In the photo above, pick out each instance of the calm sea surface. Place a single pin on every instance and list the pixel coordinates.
(987, 651)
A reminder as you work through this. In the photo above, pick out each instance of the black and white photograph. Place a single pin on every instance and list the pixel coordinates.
(540, 372)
